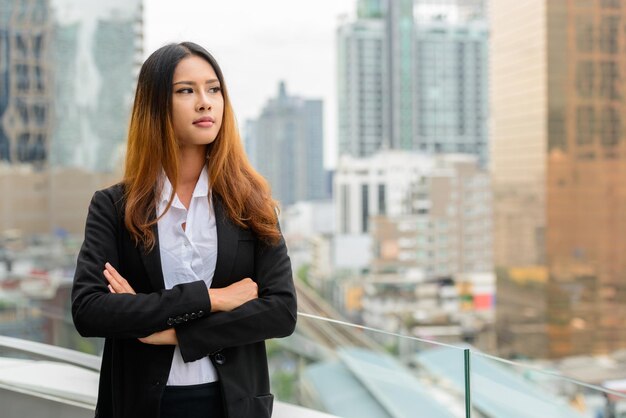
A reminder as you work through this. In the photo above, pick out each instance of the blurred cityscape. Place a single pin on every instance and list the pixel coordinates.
(478, 201)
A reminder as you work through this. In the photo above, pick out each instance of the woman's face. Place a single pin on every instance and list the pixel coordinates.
(197, 102)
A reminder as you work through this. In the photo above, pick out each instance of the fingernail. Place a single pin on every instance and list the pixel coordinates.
(107, 265)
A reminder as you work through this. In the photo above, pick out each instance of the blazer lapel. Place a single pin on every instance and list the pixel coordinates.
(227, 241)
(152, 262)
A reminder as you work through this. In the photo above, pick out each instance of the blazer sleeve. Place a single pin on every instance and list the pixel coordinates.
(272, 315)
(99, 313)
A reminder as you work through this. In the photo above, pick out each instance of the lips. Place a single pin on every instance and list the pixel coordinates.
(204, 122)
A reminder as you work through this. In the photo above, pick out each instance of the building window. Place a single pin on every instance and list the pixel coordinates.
(4, 148)
(556, 130)
(23, 147)
(38, 46)
(609, 75)
(22, 110)
(609, 33)
(345, 208)
(364, 208)
(585, 121)
(39, 78)
(610, 127)
(21, 72)
(584, 78)
(610, 4)
(382, 200)
(584, 33)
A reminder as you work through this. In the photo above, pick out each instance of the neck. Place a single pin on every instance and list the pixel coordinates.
(192, 161)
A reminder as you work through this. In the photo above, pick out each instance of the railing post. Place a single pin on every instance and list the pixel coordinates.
(468, 393)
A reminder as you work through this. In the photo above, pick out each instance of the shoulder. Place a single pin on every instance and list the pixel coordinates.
(112, 196)
(114, 192)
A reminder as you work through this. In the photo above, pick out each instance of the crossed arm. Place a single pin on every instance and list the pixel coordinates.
(222, 300)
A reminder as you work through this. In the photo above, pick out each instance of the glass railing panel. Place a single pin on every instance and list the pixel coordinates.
(508, 389)
(352, 371)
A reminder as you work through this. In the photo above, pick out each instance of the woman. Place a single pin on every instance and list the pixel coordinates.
(183, 269)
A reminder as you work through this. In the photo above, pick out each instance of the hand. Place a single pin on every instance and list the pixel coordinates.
(233, 296)
(117, 284)
(166, 337)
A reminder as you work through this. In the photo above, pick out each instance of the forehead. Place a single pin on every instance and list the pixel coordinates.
(194, 67)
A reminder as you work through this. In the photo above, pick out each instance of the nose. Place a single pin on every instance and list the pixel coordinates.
(204, 103)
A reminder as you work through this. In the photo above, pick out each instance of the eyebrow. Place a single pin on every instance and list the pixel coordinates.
(214, 80)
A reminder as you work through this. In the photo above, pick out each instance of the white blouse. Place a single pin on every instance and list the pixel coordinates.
(188, 255)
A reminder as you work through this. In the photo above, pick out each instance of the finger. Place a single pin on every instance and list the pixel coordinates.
(111, 289)
(124, 286)
(109, 267)
(113, 283)
(114, 273)
(150, 339)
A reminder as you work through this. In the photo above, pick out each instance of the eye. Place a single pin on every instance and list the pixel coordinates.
(185, 90)
(215, 89)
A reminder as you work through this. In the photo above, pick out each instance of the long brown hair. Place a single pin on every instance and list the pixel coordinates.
(152, 145)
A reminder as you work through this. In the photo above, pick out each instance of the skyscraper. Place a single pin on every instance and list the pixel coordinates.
(26, 89)
(412, 84)
(361, 82)
(96, 53)
(451, 87)
(288, 147)
(400, 74)
(375, 78)
(67, 80)
(559, 167)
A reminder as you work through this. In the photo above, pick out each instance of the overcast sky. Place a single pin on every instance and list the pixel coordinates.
(257, 43)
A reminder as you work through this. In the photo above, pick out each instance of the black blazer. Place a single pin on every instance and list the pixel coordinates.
(133, 374)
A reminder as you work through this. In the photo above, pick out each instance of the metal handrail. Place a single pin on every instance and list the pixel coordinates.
(63, 355)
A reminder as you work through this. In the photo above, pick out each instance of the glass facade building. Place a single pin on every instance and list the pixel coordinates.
(286, 143)
(67, 80)
(362, 99)
(26, 90)
(414, 78)
(451, 88)
(559, 165)
(97, 52)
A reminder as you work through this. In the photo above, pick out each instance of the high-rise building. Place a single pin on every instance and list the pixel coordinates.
(96, 54)
(47, 201)
(26, 84)
(375, 185)
(398, 183)
(400, 75)
(361, 80)
(447, 224)
(375, 78)
(559, 164)
(287, 145)
(67, 80)
(451, 88)
(413, 84)
(415, 212)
